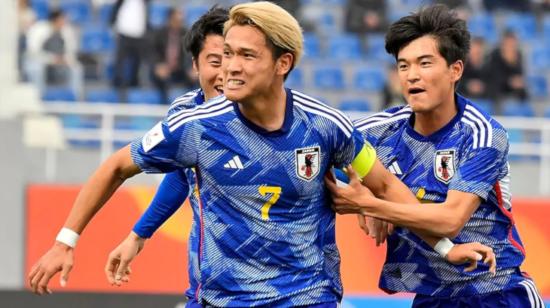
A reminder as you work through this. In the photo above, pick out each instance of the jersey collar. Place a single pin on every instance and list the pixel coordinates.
(287, 123)
(460, 104)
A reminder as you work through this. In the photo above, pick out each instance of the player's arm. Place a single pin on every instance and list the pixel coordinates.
(97, 190)
(172, 192)
(385, 185)
(156, 152)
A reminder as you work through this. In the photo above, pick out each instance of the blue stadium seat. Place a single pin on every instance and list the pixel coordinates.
(344, 47)
(483, 25)
(79, 121)
(102, 96)
(193, 13)
(144, 96)
(104, 14)
(538, 86)
(355, 105)
(485, 105)
(547, 112)
(546, 26)
(518, 109)
(540, 56)
(376, 50)
(77, 11)
(41, 8)
(312, 46)
(523, 24)
(369, 79)
(295, 79)
(58, 94)
(325, 21)
(327, 77)
(158, 14)
(96, 39)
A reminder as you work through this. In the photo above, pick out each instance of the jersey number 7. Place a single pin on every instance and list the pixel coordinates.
(264, 190)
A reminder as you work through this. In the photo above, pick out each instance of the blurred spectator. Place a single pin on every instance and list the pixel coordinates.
(294, 7)
(541, 6)
(52, 54)
(130, 22)
(461, 7)
(509, 5)
(366, 16)
(506, 71)
(170, 64)
(392, 95)
(474, 79)
(26, 17)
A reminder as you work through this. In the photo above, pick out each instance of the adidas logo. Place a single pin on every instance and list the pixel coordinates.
(394, 168)
(234, 163)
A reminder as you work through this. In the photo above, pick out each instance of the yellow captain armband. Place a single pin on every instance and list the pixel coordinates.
(363, 162)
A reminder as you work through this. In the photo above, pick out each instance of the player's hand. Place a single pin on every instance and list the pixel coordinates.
(375, 228)
(348, 199)
(117, 268)
(58, 259)
(472, 253)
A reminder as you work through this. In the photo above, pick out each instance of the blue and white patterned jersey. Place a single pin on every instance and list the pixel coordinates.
(191, 100)
(173, 190)
(269, 235)
(469, 154)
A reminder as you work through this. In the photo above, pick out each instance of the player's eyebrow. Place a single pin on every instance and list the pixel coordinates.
(419, 58)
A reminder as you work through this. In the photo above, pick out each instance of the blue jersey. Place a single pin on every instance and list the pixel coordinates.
(172, 192)
(469, 154)
(269, 238)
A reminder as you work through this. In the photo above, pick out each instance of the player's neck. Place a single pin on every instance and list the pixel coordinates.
(427, 123)
(267, 110)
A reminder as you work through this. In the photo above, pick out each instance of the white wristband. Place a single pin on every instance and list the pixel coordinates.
(67, 237)
(443, 246)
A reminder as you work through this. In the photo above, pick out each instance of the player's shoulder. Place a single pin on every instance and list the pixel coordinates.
(188, 100)
(213, 108)
(381, 120)
(485, 131)
(316, 108)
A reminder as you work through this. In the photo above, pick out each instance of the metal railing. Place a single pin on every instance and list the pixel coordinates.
(106, 134)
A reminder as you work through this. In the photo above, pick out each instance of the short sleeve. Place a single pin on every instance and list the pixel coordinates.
(167, 147)
(479, 168)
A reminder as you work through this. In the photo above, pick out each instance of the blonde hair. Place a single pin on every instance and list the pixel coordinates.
(279, 27)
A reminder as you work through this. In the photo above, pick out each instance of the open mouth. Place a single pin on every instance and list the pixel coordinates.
(235, 82)
(219, 89)
(416, 90)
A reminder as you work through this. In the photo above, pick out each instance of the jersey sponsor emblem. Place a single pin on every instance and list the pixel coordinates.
(444, 167)
(152, 138)
(307, 162)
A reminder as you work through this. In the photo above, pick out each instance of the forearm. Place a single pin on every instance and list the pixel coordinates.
(396, 191)
(434, 220)
(99, 188)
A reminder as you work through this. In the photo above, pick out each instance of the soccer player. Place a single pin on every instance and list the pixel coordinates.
(454, 157)
(205, 43)
(266, 230)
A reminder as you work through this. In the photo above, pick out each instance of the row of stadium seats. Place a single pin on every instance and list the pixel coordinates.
(150, 96)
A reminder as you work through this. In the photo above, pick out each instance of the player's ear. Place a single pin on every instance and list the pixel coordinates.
(457, 69)
(284, 63)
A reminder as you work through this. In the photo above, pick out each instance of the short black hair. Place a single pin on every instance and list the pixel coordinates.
(450, 32)
(210, 23)
(55, 14)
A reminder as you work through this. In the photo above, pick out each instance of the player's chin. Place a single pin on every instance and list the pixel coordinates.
(233, 95)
